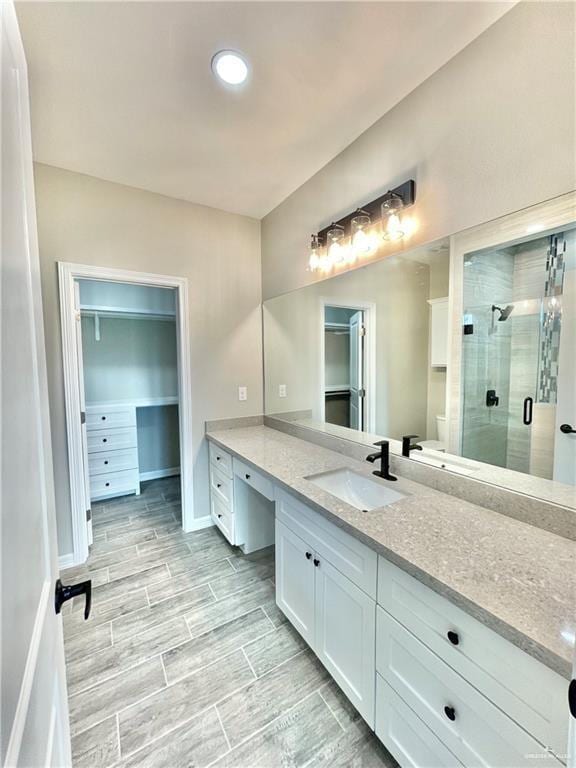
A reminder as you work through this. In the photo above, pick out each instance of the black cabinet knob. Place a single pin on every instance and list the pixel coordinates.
(316, 562)
(450, 713)
(217, 458)
(103, 418)
(453, 637)
(107, 484)
(104, 439)
(219, 515)
(218, 485)
(308, 555)
(247, 477)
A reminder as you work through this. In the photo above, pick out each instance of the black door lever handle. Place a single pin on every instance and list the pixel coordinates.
(567, 429)
(63, 593)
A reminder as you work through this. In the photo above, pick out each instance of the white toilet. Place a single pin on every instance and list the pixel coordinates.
(440, 443)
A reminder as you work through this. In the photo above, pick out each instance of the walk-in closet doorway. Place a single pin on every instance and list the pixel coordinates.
(126, 358)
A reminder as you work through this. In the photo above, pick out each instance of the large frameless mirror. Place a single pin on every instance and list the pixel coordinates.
(468, 342)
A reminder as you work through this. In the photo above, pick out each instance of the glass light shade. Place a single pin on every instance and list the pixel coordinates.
(360, 239)
(314, 261)
(334, 238)
(391, 208)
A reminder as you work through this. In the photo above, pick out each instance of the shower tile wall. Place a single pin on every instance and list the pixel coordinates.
(488, 280)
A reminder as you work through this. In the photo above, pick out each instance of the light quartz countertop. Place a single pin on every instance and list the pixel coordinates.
(517, 579)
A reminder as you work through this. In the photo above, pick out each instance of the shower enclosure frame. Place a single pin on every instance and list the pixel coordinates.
(536, 221)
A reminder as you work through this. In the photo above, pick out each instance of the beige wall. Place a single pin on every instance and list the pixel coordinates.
(88, 221)
(489, 133)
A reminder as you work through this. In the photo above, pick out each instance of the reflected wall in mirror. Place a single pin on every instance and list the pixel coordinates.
(469, 343)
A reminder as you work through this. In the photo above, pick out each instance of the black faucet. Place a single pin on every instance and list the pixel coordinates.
(408, 445)
(384, 456)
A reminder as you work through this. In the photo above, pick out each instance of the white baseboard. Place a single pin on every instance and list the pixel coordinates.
(66, 561)
(158, 473)
(198, 523)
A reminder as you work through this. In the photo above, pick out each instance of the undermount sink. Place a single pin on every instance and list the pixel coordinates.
(357, 490)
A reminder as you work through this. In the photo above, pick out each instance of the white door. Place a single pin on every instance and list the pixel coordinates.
(345, 636)
(565, 442)
(80, 368)
(357, 371)
(295, 581)
(34, 728)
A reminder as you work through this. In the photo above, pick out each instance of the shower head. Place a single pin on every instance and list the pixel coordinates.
(504, 313)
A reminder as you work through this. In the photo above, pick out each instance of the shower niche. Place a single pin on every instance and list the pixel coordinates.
(518, 302)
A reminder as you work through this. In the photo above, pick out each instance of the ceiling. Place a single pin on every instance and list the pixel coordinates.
(124, 90)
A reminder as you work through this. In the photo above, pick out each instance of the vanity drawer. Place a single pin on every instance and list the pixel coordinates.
(251, 476)
(110, 440)
(220, 459)
(529, 692)
(470, 726)
(105, 417)
(222, 486)
(112, 461)
(114, 483)
(405, 735)
(223, 518)
(352, 558)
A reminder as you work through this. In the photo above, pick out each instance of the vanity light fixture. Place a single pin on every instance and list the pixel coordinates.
(356, 235)
(230, 67)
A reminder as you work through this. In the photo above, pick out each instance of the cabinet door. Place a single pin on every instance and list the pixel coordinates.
(295, 581)
(345, 636)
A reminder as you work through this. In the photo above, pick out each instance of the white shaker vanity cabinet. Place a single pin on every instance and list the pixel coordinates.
(326, 586)
(241, 501)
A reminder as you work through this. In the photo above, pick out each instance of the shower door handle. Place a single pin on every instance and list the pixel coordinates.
(527, 413)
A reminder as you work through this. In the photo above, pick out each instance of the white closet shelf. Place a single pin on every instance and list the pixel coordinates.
(146, 402)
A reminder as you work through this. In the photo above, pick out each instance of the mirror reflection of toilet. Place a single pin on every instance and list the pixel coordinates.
(440, 443)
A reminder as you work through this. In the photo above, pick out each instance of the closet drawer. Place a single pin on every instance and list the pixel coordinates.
(470, 726)
(106, 417)
(352, 558)
(405, 735)
(529, 692)
(114, 483)
(251, 476)
(222, 486)
(223, 518)
(111, 439)
(220, 459)
(112, 461)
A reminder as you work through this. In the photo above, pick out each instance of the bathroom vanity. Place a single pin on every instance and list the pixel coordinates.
(411, 606)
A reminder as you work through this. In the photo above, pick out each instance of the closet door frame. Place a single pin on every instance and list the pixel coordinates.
(68, 273)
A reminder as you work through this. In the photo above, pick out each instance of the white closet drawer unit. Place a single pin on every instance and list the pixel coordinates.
(222, 487)
(111, 439)
(220, 459)
(476, 731)
(110, 416)
(529, 692)
(113, 483)
(112, 461)
(254, 478)
(406, 737)
(352, 558)
(223, 517)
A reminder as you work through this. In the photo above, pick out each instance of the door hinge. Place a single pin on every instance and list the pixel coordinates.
(363, 330)
(362, 392)
(82, 417)
(88, 515)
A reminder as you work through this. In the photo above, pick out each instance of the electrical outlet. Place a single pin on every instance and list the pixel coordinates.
(282, 390)
(242, 393)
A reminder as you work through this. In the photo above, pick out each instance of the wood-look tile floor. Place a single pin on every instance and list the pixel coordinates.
(187, 661)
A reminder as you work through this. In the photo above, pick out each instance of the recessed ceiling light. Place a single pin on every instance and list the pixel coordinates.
(230, 67)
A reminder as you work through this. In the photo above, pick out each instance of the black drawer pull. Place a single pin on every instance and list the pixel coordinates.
(106, 461)
(308, 555)
(103, 418)
(104, 439)
(316, 562)
(107, 484)
(247, 477)
(453, 637)
(450, 713)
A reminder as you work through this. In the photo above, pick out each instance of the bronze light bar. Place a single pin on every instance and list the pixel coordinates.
(406, 191)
